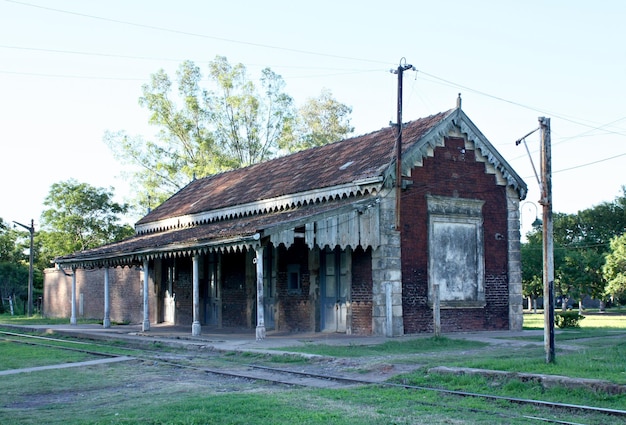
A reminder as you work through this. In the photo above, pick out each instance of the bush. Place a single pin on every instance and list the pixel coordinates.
(568, 319)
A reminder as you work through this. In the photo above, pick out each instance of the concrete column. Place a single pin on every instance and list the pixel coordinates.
(260, 311)
(146, 302)
(73, 316)
(106, 321)
(195, 327)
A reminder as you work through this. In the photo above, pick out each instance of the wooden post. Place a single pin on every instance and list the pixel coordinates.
(399, 71)
(436, 310)
(548, 243)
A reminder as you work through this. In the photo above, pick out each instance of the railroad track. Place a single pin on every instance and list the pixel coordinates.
(300, 378)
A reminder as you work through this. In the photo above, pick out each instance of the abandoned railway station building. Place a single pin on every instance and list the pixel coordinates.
(336, 238)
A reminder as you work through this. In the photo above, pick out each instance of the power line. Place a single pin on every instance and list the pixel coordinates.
(81, 77)
(440, 80)
(193, 34)
(590, 163)
(573, 120)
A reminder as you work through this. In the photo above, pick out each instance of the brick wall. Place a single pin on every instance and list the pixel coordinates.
(295, 307)
(183, 288)
(234, 298)
(361, 292)
(453, 172)
(125, 294)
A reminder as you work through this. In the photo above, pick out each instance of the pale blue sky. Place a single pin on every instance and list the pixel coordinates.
(72, 69)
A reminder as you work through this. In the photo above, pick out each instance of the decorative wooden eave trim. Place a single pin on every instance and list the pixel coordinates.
(352, 225)
(458, 122)
(136, 258)
(265, 206)
(488, 151)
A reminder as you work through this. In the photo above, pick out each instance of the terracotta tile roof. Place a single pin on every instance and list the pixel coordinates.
(325, 166)
(196, 237)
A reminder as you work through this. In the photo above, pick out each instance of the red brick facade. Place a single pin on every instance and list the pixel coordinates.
(453, 172)
(125, 292)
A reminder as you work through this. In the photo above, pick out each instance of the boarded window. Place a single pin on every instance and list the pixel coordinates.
(456, 251)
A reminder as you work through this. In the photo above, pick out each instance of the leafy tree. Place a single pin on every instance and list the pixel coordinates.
(8, 248)
(583, 241)
(322, 120)
(249, 127)
(204, 131)
(532, 266)
(614, 269)
(581, 271)
(14, 266)
(593, 227)
(78, 217)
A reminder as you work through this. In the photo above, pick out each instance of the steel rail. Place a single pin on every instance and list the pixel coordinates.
(347, 380)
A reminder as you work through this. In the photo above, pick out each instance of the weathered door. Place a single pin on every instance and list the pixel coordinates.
(212, 300)
(335, 289)
(169, 298)
(269, 287)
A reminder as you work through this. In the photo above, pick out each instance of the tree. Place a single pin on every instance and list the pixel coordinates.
(614, 269)
(583, 241)
(249, 127)
(593, 227)
(14, 267)
(322, 120)
(204, 131)
(532, 268)
(80, 216)
(581, 269)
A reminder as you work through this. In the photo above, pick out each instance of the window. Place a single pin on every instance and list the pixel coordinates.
(293, 278)
(456, 251)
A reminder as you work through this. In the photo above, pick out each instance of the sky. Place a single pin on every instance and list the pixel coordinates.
(72, 69)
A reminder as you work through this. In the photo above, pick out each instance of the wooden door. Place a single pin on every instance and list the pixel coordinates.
(335, 290)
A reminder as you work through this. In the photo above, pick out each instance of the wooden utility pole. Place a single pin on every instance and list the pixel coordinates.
(548, 243)
(31, 230)
(399, 71)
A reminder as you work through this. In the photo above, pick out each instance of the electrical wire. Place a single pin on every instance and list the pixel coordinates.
(433, 77)
(301, 51)
(193, 34)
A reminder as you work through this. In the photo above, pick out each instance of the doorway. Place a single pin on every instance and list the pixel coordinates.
(335, 289)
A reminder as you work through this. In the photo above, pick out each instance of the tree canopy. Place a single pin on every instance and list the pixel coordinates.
(80, 216)
(585, 244)
(614, 268)
(14, 265)
(232, 123)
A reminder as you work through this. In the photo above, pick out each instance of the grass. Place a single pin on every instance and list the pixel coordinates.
(409, 346)
(17, 356)
(146, 392)
(37, 319)
(127, 394)
(614, 320)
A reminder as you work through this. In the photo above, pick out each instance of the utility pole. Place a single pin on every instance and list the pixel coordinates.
(548, 242)
(31, 230)
(545, 186)
(403, 66)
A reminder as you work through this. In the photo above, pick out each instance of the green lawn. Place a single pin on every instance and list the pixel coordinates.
(151, 393)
